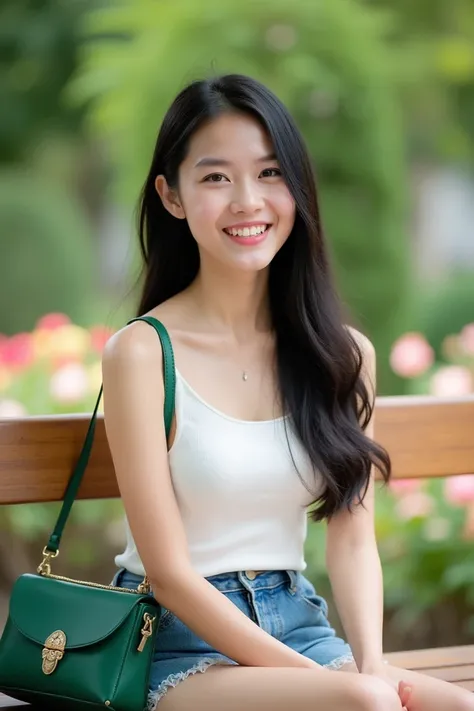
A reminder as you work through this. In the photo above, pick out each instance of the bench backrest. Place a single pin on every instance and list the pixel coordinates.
(425, 436)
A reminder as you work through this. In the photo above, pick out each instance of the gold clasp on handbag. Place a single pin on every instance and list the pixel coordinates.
(144, 588)
(53, 651)
(146, 630)
(44, 567)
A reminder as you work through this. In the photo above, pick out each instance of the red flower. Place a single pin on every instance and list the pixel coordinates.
(99, 337)
(51, 322)
(17, 351)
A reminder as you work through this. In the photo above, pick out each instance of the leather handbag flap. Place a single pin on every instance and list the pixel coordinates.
(86, 614)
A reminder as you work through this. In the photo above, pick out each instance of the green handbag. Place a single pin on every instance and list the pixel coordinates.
(72, 645)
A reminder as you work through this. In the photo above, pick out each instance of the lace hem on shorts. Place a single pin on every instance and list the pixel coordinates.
(339, 662)
(174, 679)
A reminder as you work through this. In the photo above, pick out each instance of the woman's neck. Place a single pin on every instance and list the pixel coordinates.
(235, 302)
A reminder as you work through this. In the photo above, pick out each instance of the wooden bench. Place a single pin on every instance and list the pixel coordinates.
(425, 436)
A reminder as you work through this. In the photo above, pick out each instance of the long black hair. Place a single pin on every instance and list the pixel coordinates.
(319, 361)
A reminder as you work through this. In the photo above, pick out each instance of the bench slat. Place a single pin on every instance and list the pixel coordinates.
(427, 436)
(37, 454)
(453, 674)
(439, 657)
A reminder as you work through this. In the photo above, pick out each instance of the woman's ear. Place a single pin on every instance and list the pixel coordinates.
(169, 197)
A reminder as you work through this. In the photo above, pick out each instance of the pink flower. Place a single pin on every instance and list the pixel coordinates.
(405, 486)
(3, 343)
(415, 505)
(411, 355)
(451, 381)
(459, 490)
(467, 339)
(17, 351)
(50, 322)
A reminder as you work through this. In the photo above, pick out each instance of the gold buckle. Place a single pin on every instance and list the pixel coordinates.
(144, 588)
(44, 567)
(53, 651)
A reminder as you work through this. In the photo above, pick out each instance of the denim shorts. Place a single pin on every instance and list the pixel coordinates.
(283, 603)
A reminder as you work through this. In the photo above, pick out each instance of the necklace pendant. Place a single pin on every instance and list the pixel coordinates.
(244, 375)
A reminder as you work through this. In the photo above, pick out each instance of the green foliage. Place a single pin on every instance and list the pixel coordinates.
(38, 45)
(425, 544)
(49, 247)
(433, 42)
(328, 63)
(445, 308)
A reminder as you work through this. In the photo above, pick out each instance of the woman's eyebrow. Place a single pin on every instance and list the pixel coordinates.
(219, 162)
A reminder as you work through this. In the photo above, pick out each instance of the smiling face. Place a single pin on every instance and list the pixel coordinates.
(232, 193)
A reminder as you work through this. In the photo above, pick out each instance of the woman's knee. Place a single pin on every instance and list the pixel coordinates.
(373, 694)
(464, 704)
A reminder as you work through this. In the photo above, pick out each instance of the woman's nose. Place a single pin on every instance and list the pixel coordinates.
(247, 199)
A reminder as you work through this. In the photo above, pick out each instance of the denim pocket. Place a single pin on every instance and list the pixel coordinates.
(166, 619)
(306, 592)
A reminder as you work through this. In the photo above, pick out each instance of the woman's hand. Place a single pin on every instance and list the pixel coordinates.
(404, 692)
(402, 688)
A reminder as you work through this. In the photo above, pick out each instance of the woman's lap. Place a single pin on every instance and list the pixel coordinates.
(283, 603)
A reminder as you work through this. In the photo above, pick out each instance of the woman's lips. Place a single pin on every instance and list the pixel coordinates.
(249, 240)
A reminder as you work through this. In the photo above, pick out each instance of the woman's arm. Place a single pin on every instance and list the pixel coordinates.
(353, 561)
(133, 406)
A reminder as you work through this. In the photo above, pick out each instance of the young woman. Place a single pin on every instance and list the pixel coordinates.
(273, 413)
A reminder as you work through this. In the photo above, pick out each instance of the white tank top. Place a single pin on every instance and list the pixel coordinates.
(242, 503)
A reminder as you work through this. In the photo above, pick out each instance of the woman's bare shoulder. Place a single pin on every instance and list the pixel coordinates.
(365, 344)
(135, 343)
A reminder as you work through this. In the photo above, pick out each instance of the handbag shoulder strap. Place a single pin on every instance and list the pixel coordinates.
(169, 376)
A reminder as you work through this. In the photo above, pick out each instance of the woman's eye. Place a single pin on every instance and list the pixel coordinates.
(215, 178)
(271, 172)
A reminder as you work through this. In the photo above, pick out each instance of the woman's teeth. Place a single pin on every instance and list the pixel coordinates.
(246, 231)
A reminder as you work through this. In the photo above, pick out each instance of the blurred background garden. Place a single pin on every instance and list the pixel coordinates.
(383, 91)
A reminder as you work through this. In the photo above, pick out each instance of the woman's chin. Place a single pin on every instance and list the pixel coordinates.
(252, 259)
(246, 259)
(251, 263)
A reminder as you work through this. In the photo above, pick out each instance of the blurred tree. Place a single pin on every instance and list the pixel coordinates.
(328, 63)
(43, 225)
(433, 41)
(38, 53)
(46, 265)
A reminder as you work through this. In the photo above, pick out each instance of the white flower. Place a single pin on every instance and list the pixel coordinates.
(451, 381)
(12, 408)
(69, 384)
